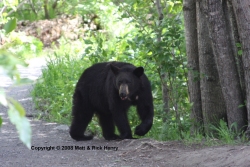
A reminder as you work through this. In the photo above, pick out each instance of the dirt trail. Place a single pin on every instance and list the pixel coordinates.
(52, 145)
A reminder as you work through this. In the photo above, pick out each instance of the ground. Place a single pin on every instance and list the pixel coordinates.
(143, 152)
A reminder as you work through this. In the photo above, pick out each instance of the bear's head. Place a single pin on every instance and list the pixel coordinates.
(127, 80)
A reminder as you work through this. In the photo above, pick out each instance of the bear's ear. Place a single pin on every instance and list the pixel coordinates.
(138, 71)
(114, 69)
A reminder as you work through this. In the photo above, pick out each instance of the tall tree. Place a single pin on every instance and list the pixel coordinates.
(165, 95)
(213, 106)
(226, 64)
(242, 12)
(189, 9)
(46, 10)
(221, 87)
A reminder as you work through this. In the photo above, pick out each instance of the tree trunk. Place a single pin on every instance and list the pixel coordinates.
(54, 4)
(165, 95)
(226, 65)
(242, 13)
(189, 9)
(234, 38)
(213, 105)
(164, 86)
(45, 7)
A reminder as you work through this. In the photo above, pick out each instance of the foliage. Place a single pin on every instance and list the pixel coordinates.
(10, 25)
(225, 133)
(222, 134)
(22, 45)
(130, 34)
(15, 111)
(35, 9)
(130, 38)
(8, 67)
(56, 85)
(166, 56)
(16, 43)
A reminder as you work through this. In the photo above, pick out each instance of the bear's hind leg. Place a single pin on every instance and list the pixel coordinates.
(82, 115)
(108, 127)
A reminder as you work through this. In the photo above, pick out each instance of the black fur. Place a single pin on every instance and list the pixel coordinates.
(97, 91)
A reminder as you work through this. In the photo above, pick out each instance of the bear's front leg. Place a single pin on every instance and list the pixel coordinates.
(146, 113)
(121, 121)
(143, 128)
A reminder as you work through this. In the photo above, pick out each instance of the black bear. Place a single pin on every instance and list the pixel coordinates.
(108, 89)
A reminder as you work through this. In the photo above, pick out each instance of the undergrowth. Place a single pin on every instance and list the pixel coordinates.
(54, 89)
(53, 92)
(128, 38)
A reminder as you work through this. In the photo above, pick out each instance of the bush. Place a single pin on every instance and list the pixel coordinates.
(53, 91)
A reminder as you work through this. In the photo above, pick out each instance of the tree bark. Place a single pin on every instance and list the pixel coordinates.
(234, 38)
(46, 11)
(164, 86)
(213, 105)
(189, 9)
(242, 13)
(226, 65)
(54, 4)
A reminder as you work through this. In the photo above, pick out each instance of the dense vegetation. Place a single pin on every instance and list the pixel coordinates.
(130, 31)
(130, 35)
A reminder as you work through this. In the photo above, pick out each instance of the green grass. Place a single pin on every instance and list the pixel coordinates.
(54, 89)
(53, 92)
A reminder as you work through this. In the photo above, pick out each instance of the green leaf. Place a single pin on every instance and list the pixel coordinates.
(89, 42)
(3, 99)
(22, 124)
(240, 52)
(8, 62)
(10, 25)
(19, 108)
(1, 121)
(241, 105)
(238, 45)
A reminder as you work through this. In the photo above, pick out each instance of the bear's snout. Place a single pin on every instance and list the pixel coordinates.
(123, 91)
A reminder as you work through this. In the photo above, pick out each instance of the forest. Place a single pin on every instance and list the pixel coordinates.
(195, 53)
